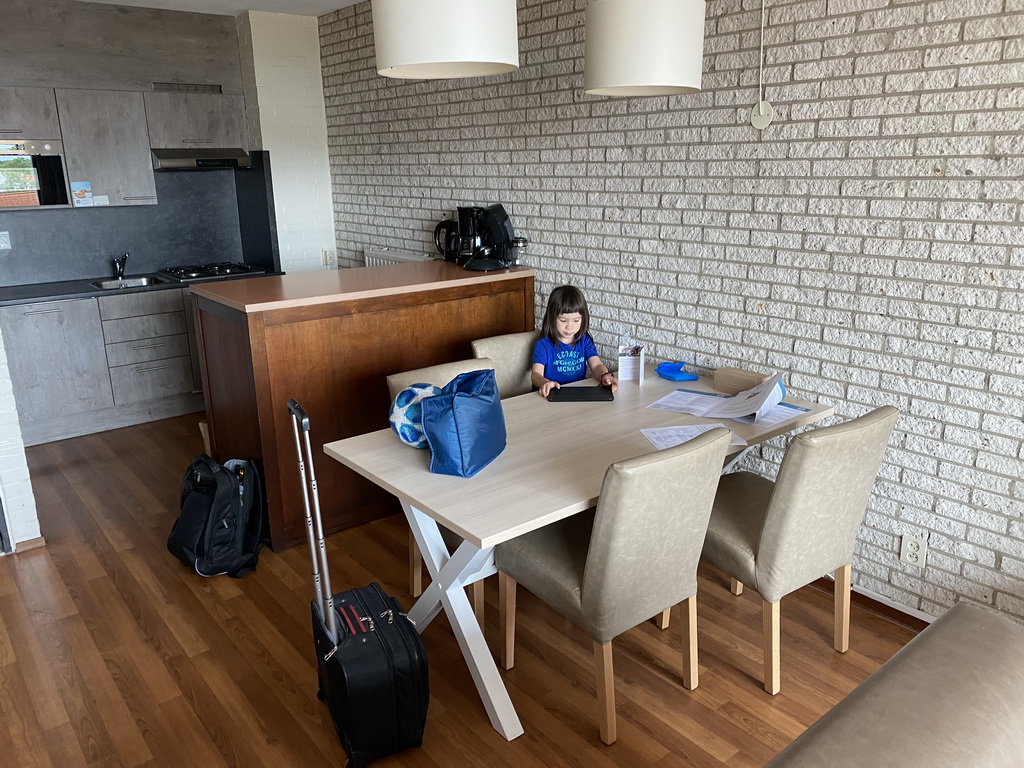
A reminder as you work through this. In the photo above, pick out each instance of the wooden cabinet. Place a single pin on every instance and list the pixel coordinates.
(189, 120)
(28, 113)
(329, 340)
(106, 143)
(56, 357)
(146, 345)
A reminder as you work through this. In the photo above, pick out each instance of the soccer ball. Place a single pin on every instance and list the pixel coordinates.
(407, 414)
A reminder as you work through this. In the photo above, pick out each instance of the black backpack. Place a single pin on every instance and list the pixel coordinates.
(221, 520)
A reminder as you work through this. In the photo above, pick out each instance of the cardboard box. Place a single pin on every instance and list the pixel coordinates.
(733, 380)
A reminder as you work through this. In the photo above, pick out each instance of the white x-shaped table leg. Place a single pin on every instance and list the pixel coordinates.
(450, 574)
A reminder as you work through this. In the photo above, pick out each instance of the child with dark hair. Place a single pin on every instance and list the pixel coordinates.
(565, 348)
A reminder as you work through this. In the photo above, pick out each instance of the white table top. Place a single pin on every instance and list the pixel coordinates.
(552, 466)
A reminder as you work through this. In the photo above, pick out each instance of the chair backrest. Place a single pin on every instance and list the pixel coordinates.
(648, 533)
(820, 495)
(438, 375)
(512, 354)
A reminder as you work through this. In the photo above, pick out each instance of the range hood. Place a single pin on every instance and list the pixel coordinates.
(200, 158)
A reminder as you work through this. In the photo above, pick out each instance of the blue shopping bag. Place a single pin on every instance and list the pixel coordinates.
(464, 424)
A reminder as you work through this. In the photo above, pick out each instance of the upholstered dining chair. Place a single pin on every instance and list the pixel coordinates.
(438, 375)
(635, 555)
(779, 536)
(512, 354)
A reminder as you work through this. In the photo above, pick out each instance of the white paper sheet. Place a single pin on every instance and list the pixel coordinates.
(666, 437)
(689, 401)
(757, 400)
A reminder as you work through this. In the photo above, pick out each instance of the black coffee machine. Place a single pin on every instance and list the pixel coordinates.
(481, 239)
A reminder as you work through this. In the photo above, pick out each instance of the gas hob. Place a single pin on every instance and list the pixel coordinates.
(187, 273)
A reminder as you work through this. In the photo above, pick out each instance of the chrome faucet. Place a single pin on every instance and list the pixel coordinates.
(119, 266)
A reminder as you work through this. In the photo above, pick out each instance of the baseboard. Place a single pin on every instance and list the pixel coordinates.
(878, 606)
(28, 544)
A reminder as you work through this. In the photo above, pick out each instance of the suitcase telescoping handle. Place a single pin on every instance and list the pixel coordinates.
(317, 548)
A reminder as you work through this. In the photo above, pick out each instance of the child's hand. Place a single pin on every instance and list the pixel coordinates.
(545, 389)
(608, 380)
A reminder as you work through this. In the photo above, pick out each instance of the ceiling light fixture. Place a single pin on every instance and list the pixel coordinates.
(763, 112)
(441, 39)
(644, 47)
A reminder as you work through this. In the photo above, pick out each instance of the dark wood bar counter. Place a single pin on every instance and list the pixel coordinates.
(329, 339)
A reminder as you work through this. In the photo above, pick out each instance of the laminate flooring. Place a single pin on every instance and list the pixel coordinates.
(114, 654)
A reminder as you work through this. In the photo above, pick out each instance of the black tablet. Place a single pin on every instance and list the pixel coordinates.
(580, 394)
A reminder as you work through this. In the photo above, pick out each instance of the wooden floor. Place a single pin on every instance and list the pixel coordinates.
(112, 653)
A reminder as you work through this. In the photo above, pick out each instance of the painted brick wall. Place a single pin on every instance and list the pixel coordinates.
(869, 243)
(285, 105)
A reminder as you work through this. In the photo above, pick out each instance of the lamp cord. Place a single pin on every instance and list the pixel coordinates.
(760, 76)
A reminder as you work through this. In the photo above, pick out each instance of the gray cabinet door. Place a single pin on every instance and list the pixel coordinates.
(184, 120)
(28, 113)
(56, 357)
(106, 144)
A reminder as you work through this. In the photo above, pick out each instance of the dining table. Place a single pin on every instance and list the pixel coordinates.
(552, 467)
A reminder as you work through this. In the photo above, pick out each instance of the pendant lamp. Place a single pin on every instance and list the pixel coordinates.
(439, 39)
(643, 47)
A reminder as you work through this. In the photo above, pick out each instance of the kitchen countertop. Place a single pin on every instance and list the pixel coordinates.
(82, 289)
(262, 294)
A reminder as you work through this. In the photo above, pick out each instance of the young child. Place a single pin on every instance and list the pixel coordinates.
(563, 352)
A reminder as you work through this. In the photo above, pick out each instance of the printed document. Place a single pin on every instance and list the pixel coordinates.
(755, 403)
(666, 437)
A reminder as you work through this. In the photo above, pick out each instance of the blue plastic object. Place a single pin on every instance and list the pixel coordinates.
(674, 372)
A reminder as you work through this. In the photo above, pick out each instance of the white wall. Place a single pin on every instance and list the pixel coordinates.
(15, 489)
(869, 244)
(285, 104)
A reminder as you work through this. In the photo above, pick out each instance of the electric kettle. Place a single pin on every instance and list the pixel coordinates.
(446, 239)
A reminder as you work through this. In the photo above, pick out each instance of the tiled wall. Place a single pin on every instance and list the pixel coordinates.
(869, 243)
(284, 101)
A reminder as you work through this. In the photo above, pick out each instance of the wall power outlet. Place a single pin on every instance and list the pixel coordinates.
(913, 550)
(330, 258)
(5, 241)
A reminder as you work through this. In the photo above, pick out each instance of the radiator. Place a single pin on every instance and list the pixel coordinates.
(376, 258)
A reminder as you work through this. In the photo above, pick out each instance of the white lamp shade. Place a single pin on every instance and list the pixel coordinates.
(644, 47)
(438, 39)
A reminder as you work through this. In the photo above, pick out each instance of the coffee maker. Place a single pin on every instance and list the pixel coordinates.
(482, 239)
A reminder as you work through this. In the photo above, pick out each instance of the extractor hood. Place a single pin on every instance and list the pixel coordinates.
(200, 159)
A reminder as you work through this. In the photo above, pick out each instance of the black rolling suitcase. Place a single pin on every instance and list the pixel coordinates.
(371, 664)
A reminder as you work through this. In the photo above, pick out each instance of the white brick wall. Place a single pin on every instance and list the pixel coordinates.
(285, 104)
(869, 243)
(19, 503)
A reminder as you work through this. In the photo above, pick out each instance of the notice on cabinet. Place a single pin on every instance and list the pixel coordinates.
(81, 194)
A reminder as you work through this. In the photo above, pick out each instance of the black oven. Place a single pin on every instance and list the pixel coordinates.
(32, 174)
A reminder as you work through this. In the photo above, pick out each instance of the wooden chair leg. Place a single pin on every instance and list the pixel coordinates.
(690, 643)
(735, 587)
(841, 640)
(415, 567)
(770, 620)
(662, 619)
(476, 597)
(605, 691)
(507, 610)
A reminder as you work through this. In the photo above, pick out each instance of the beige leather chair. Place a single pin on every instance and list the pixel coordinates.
(438, 375)
(512, 354)
(777, 537)
(636, 555)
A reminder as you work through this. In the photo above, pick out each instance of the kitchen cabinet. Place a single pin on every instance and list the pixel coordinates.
(189, 120)
(147, 345)
(329, 340)
(56, 358)
(106, 143)
(28, 113)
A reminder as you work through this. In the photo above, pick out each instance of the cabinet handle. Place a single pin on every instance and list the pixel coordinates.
(149, 346)
(43, 311)
(11, 130)
(197, 141)
(140, 197)
(147, 370)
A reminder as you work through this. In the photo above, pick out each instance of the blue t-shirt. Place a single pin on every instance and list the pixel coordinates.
(564, 363)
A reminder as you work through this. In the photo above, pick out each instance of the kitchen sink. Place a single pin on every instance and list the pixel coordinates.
(128, 282)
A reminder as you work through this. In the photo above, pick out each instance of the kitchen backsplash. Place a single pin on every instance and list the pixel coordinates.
(196, 221)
